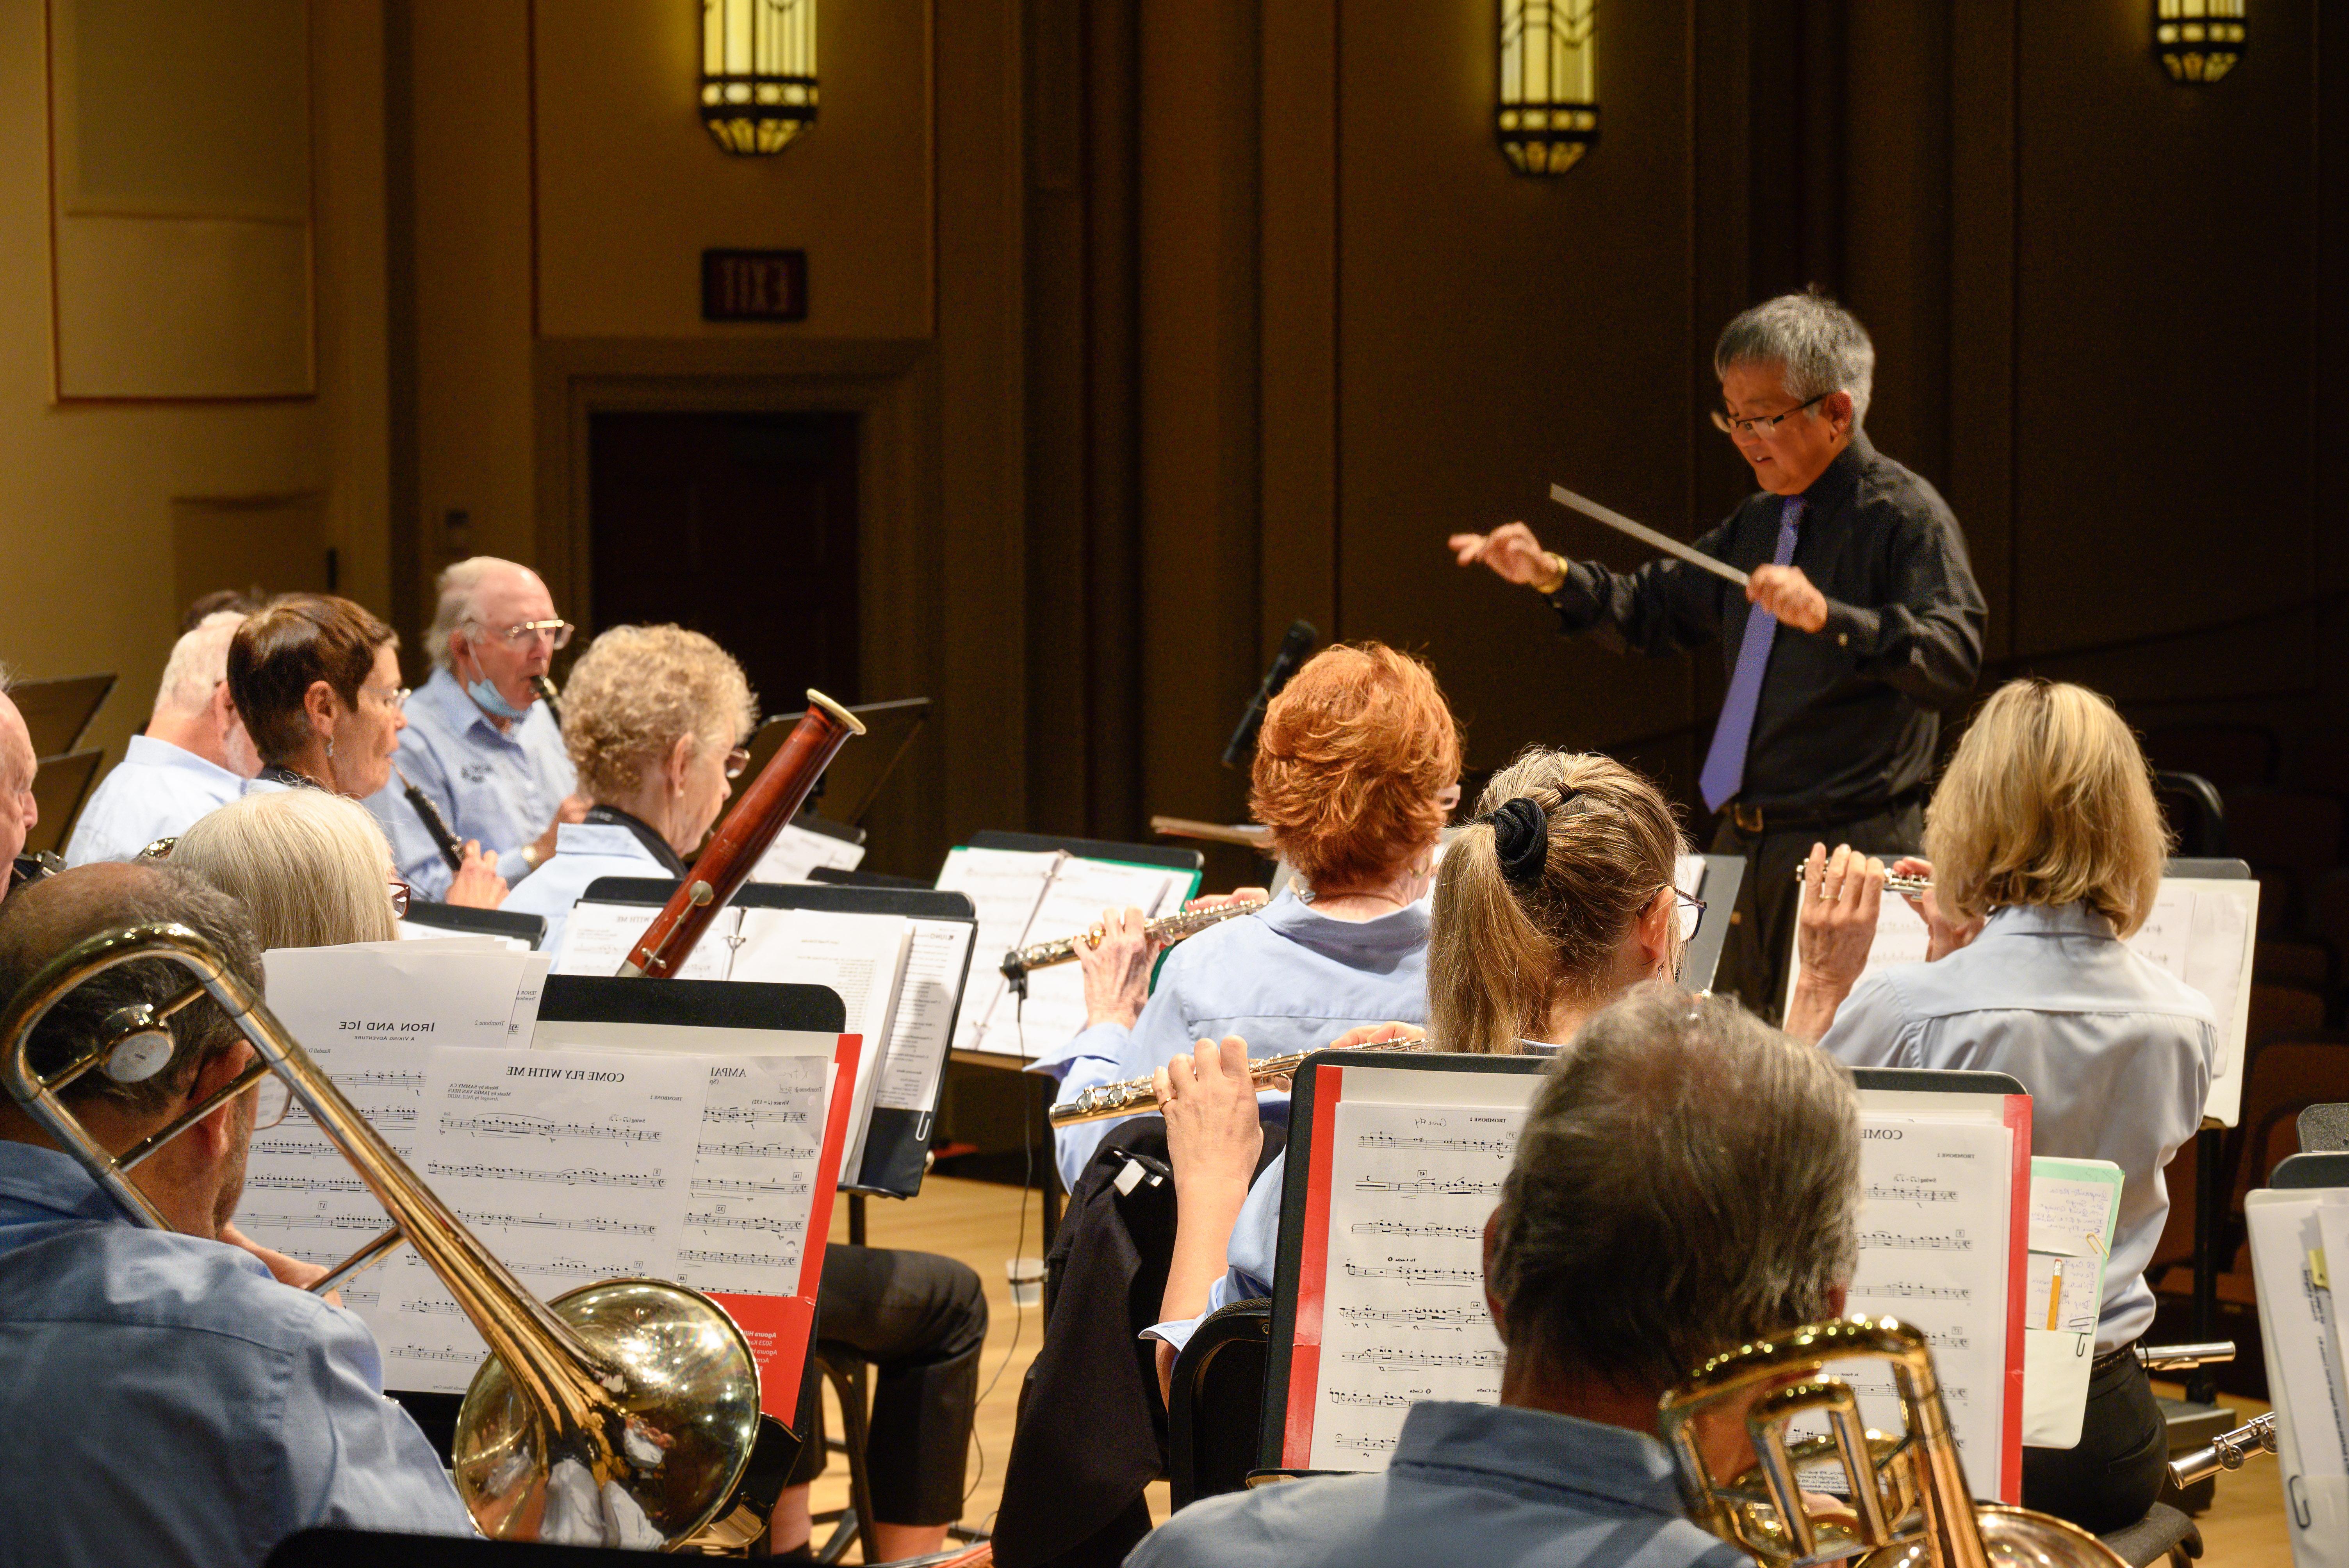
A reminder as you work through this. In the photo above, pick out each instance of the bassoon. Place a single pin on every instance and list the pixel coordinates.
(773, 799)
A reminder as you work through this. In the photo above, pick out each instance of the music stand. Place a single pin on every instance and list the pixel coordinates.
(59, 791)
(530, 928)
(57, 712)
(853, 780)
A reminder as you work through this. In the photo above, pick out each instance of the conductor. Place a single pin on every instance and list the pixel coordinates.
(1859, 621)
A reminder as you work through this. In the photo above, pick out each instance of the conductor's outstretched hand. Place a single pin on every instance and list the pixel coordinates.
(1510, 550)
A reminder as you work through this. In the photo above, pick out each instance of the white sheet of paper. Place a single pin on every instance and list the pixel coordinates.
(862, 957)
(798, 851)
(761, 1130)
(1402, 1315)
(1004, 887)
(918, 1038)
(2074, 1204)
(1080, 891)
(1688, 874)
(430, 993)
(417, 930)
(2299, 1332)
(598, 937)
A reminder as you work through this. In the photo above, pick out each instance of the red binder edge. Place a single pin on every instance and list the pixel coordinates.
(782, 1327)
(2018, 1231)
(1312, 1268)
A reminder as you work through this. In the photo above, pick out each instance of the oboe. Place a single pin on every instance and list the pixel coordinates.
(1138, 1097)
(1894, 883)
(1168, 929)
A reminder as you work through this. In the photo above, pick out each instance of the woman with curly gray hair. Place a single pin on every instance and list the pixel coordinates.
(653, 718)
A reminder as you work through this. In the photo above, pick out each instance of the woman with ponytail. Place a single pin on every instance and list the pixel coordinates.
(1557, 898)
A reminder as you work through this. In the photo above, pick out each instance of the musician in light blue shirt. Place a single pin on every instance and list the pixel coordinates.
(1357, 767)
(479, 744)
(2045, 848)
(194, 758)
(1686, 1181)
(174, 1396)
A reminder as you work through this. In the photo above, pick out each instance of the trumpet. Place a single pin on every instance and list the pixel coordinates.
(1909, 1492)
(1138, 1097)
(621, 1414)
(1894, 883)
(1168, 928)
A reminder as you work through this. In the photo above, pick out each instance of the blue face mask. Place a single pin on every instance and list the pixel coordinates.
(482, 692)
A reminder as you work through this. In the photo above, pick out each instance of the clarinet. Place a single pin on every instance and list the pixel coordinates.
(545, 689)
(452, 849)
(773, 799)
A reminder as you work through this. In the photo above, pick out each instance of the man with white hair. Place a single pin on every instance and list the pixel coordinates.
(194, 756)
(480, 745)
(1859, 621)
(20, 813)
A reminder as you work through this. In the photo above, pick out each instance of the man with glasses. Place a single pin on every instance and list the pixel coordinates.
(480, 745)
(1859, 623)
(176, 1397)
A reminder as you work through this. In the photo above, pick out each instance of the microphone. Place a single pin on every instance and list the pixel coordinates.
(1295, 649)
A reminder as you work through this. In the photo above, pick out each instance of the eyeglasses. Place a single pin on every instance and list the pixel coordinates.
(737, 761)
(1692, 914)
(399, 892)
(273, 1096)
(556, 632)
(1765, 425)
(392, 697)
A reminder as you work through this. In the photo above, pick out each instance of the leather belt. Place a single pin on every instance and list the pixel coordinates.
(2112, 1358)
(1753, 821)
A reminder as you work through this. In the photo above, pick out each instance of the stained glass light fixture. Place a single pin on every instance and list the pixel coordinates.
(2199, 40)
(758, 72)
(1548, 113)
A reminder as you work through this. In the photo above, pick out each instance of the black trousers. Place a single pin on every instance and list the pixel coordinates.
(2109, 1481)
(921, 1320)
(1754, 958)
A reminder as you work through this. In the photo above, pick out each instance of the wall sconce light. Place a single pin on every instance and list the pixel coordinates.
(2199, 40)
(758, 72)
(1548, 113)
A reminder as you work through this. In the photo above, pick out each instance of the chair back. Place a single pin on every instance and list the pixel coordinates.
(2191, 804)
(1215, 1402)
(2324, 1128)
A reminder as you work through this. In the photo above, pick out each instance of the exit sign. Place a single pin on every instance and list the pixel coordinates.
(754, 285)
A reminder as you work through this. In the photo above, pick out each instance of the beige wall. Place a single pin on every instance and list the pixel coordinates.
(85, 490)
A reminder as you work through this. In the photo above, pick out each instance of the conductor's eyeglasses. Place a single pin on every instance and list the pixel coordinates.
(1762, 425)
(556, 632)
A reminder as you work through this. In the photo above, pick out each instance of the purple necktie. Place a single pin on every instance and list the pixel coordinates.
(1724, 764)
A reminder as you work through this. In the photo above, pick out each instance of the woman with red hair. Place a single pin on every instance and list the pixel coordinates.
(1357, 767)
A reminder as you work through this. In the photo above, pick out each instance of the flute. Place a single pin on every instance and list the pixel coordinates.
(1906, 886)
(1138, 1097)
(1168, 929)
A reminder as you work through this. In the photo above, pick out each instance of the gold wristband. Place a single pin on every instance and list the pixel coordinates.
(1560, 568)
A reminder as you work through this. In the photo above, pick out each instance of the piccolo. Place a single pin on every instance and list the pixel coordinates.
(1168, 928)
(1138, 1097)
(1906, 886)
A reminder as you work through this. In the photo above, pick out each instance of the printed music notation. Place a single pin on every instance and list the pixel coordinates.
(705, 1185)
(1911, 1242)
(510, 1125)
(749, 1150)
(1362, 1442)
(1414, 1273)
(596, 1224)
(1909, 1192)
(319, 1222)
(441, 1353)
(1457, 1187)
(1388, 1357)
(572, 1176)
(1474, 1145)
(753, 1113)
(778, 1224)
(1378, 1402)
(1407, 1228)
(1451, 1319)
(732, 1260)
(1904, 1290)
(578, 1268)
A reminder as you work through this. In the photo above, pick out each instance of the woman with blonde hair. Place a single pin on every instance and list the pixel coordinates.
(1555, 900)
(2045, 848)
(653, 718)
(313, 869)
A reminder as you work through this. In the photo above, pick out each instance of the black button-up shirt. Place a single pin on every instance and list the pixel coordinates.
(1849, 716)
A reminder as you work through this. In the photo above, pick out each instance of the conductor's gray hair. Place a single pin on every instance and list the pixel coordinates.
(198, 664)
(1687, 1181)
(1819, 345)
(459, 604)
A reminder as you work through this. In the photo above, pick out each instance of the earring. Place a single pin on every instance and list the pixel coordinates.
(330, 748)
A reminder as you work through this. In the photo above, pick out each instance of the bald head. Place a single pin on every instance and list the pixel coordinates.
(483, 594)
(18, 814)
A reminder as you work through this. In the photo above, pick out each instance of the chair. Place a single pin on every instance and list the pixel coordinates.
(845, 1370)
(2293, 961)
(2164, 1534)
(2228, 755)
(2295, 827)
(2327, 1170)
(2191, 804)
(2324, 1128)
(2282, 1077)
(2278, 1010)
(1215, 1402)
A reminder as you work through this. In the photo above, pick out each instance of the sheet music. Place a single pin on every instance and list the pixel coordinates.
(1688, 874)
(429, 992)
(1933, 1252)
(754, 1164)
(1403, 1317)
(2074, 1204)
(860, 956)
(1073, 901)
(2299, 1288)
(598, 937)
(1004, 887)
(797, 850)
(926, 1003)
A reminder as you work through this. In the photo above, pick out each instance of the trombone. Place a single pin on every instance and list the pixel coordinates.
(620, 1414)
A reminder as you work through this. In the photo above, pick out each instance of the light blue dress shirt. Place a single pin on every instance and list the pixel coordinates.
(169, 1402)
(582, 852)
(1284, 979)
(2117, 1054)
(156, 792)
(499, 786)
(1470, 1484)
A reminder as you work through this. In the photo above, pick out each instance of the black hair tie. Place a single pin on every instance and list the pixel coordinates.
(1521, 840)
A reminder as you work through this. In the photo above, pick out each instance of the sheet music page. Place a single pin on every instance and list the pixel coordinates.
(926, 1004)
(2299, 1334)
(425, 993)
(1900, 938)
(753, 1174)
(1004, 887)
(598, 937)
(1688, 874)
(2202, 930)
(798, 851)
(417, 930)
(2074, 1204)
(860, 956)
(1403, 1317)
(1073, 901)
(1933, 1252)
